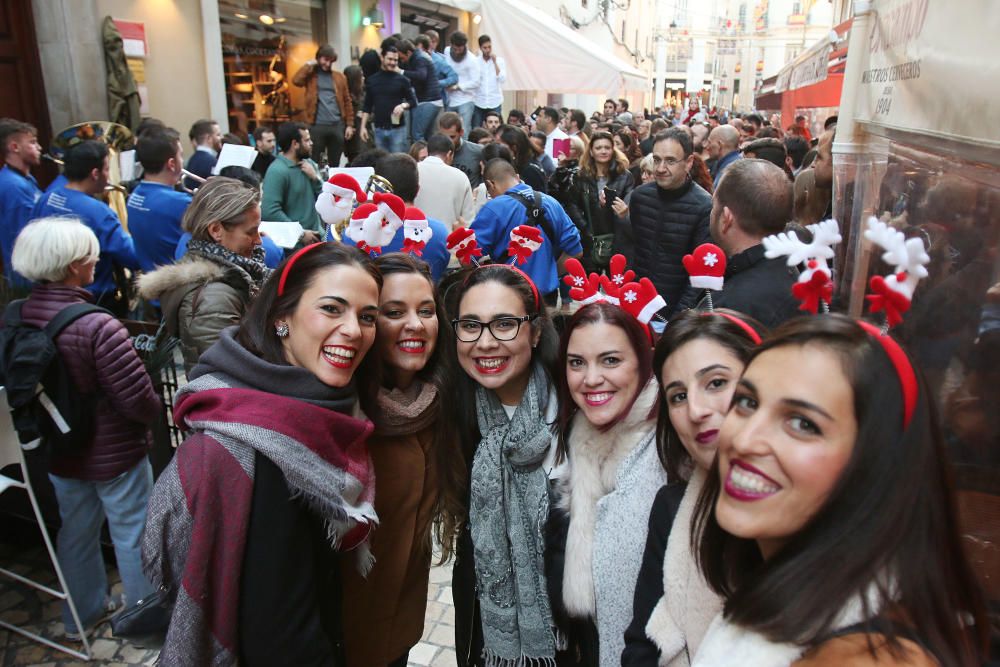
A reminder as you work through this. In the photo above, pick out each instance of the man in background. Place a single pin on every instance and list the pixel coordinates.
(328, 104)
(19, 191)
(445, 192)
(462, 96)
(155, 208)
(263, 137)
(489, 97)
(292, 183)
(206, 137)
(388, 95)
(466, 156)
(445, 74)
(723, 147)
(548, 123)
(419, 69)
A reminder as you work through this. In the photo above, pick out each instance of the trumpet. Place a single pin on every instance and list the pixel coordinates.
(193, 177)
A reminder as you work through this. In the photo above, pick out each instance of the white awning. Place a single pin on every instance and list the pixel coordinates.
(543, 54)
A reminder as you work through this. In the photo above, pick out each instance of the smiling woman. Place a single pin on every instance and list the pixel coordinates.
(818, 467)
(275, 476)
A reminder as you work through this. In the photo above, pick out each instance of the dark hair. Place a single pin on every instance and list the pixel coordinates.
(578, 117)
(439, 144)
(148, 125)
(607, 102)
(10, 128)
(405, 46)
(700, 174)
(658, 125)
(499, 167)
(552, 114)
(83, 158)
(770, 149)
(797, 148)
(256, 331)
(768, 132)
(624, 103)
(520, 147)
(156, 148)
(401, 170)
(288, 133)
(230, 138)
(831, 121)
(200, 129)
(463, 394)
(492, 112)
(369, 158)
(759, 194)
(449, 510)
(754, 119)
(448, 120)
(260, 130)
(423, 41)
(391, 48)
(416, 147)
(516, 113)
(638, 338)
(689, 326)
(631, 143)
(355, 80)
(245, 175)
(889, 524)
(678, 135)
(390, 43)
(537, 134)
(483, 39)
(326, 51)
(458, 38)
(477, 134)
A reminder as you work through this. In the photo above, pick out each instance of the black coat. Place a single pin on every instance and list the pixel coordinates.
(665, 225)
(758, 287)
(640, 651)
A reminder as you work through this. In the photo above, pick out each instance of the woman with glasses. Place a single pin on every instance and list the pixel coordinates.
(418, 466)
(597, 530)
(505, 403)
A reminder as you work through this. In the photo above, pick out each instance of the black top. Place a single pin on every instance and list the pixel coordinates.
(640, 651)
(383, 91)
(758, 287)
(665, 225)
(290, 592)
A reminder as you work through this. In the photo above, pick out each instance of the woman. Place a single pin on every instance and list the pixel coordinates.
(418, 151)
(520, 147)
(353, 147)
(223, 269)
(647, 170)
(275, 476)
(607, 398)
(602, 168)
(505, 404)
(627, 144)
(697, 363)
(418, 466)
(109, 476)
(811, 529)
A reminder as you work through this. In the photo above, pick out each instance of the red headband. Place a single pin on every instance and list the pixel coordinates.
(531, 283)
(904, 370)
(750, 331)
(291, 261)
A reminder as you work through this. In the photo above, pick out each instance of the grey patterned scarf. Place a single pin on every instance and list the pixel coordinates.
(508, 535)
(251, 269)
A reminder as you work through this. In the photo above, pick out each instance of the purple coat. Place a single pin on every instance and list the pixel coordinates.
(98, 354)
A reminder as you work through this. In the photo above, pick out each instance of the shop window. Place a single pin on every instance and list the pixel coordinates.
(264, 42)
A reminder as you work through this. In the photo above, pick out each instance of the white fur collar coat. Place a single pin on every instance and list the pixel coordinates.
(612, 481)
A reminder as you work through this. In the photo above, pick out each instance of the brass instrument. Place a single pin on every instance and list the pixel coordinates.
(118, 138)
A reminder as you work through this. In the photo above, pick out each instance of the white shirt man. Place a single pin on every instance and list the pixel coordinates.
(494, 74)
(548, 122)
(445, 193)
(470, 74)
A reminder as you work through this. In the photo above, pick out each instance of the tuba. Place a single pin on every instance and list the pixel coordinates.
(118, 139)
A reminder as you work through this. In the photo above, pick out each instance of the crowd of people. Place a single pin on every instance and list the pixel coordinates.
(612, 490)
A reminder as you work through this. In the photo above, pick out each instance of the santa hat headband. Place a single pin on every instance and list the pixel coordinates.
(343, 185)
(639, 299)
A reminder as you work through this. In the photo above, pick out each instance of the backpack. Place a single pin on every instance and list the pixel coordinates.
(536, 218)
(44, 402)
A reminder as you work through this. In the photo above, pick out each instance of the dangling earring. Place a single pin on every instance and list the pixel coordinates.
(281, 328)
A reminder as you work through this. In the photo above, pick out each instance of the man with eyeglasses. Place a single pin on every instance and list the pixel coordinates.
(668, 218)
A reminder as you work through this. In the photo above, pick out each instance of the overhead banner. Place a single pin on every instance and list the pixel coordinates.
(933, 69)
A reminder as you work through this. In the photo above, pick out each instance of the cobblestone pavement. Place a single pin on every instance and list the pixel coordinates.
(24, 606)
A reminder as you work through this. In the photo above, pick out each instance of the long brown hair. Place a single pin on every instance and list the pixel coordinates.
(700, 174)
(887, 530)
(588, 167)
(449, 509)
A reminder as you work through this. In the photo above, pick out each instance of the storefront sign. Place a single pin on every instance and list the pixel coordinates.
(812, 68)
(931, 69)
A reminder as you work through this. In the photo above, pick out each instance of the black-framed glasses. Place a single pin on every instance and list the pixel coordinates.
(503, 328)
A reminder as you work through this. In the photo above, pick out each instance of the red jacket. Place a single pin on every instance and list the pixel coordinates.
(98, 354)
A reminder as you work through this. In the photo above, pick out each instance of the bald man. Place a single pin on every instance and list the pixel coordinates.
(724, 147)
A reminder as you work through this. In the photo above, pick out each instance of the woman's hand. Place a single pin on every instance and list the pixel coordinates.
(618, 206)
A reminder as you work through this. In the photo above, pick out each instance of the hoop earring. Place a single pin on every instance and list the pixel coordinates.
(281, 328)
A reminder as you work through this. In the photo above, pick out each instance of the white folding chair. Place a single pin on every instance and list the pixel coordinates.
(10, 453)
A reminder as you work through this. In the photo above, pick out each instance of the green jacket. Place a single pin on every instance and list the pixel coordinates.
(290, 195)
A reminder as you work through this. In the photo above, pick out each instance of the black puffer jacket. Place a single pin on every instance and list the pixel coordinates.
(664, 226)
